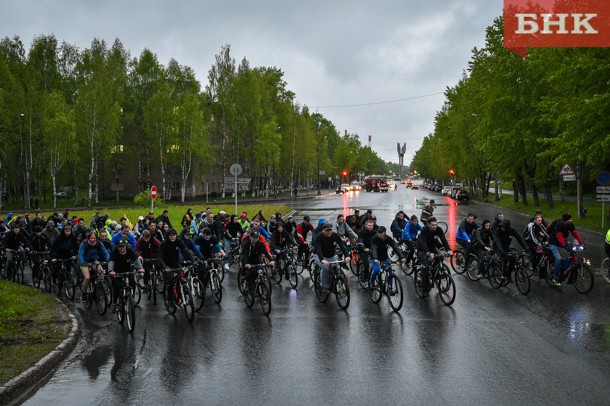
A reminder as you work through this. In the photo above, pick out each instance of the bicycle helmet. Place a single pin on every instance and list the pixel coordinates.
(306, 218)
(254, 233)
(122, 242)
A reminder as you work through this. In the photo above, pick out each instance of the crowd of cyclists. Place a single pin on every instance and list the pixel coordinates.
(273, 249)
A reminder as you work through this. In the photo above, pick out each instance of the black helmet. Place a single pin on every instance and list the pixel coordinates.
(122, 242)
(306, 218)
(254, 233)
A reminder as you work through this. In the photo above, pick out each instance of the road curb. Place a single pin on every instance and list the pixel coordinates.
(19, 384)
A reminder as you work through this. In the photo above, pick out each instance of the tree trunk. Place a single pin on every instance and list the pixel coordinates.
(515, 192)
(497, 191)
(521, 185)
(54, 182)
(580, 206)
(535, 193)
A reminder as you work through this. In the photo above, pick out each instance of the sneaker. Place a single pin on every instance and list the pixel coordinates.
(226, 267)
(555, 282)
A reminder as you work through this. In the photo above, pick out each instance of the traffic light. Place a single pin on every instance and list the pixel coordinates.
(344, 173)
(451, 172)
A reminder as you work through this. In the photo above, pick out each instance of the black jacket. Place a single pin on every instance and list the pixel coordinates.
(427, 240)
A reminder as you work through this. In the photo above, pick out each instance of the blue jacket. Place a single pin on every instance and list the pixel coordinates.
(90, 253)
(130, 238)
(410, 231)
(466, 230)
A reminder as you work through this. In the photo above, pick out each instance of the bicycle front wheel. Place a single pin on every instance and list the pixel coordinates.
(458, 262)
(342, 291)
(293, 278)
(170, 305)
(189, 307)
(446, 289)
(522, 280)
(136, 291)
(495, 276)
(473, 268)
(394, 291)
(198, 294)
(443, 226)
(375, 289)
(130, 313)
(265, 298)
(216, 288)
(100, 298)
(322, 297)
(583, 278)
(363, 274)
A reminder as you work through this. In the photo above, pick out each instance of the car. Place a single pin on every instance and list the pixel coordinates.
(454, 191)
(462, 195)
(445, 191)
(61, 195)
(415, 187)
(345, 187)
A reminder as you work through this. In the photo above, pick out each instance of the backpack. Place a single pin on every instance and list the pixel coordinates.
(551, 226)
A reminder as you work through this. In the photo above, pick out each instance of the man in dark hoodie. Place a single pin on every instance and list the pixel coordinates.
(169, 258)
(51, 232)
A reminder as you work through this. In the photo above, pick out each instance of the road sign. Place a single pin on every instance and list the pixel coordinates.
(603, 198)
(603, 178)
(322, 172)
(602, 189)
(566, 170)
(569, 178)
(236, 169)
(153, 192)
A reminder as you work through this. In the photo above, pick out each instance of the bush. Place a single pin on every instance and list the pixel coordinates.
(143, 199)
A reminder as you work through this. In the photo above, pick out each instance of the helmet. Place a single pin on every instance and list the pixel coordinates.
(254, 233)
(306, 218)
(122, 242)
(243, 216)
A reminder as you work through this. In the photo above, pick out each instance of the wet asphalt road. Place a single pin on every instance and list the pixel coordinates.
(491, 347)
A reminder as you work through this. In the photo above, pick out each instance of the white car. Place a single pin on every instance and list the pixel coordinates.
(345, 187)
(446, 190)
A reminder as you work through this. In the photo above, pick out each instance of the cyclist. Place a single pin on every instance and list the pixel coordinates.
(536, 238)
(290, 226)
(557, 238)
(539, 213)
(302, 231)
(324, 247)
(252, 252)
(427, 212)
(364, 240)
(496, 223)
(80, 230)
(156, 232)
(281, 240)
(482, 242)
(409, 236)
(50, 232)
(318, 229)
(343, 229)
(232, 233)
(464, 234)
(14, 241)
(503, 237)
(121, 260)
(147, 247)
(243, 220)
(38, 243)
(126, 234)
(103, 237)
(426, 248)
(398, 224)
(90, 252)
(169, 258)
(272, 224)
(164, 217)
(379, 253)
(65, 246)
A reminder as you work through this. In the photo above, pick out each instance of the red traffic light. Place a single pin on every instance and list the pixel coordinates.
(451, 172)
(344, 173)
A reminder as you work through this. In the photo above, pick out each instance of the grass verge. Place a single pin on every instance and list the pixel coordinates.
(32, 324)
(592, 221)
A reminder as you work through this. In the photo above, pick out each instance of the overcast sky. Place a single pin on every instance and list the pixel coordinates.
(333, 53)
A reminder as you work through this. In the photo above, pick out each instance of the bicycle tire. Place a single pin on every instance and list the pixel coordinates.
(69, 287)
(198, 294)
(458, 262)
(240, 281)
(363, 274)
(188, 305)
(446, 289)
(375, 291)
(221, 271)
(583, 279)
(394, 292)
(342, 291)
(418, 283)
(90, 295)
(130, 313)
(152, 291)
(169, 306)
(36, 277)
(277, 271)
(264, 298)
(473, 268)
(550, 273)
(108, 289)
(121, 309)
(160, 282)
(48, 281)
(99, 296)
(216, 288)
(495, 276)
(525, 263)
(293, 278)
(406, 268)
(443, 226)
(522, 280)
(248, 296)
(322, 297)
(604, 269)
(353, 265)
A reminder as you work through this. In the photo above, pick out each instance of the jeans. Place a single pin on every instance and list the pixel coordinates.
(557, 256)
(377, 269)
(324, 270)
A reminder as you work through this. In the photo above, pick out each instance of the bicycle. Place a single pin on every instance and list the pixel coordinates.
(154, 285)
(458, 261)
(575, 269)
(207, 276)
(181, 294)
(518, 265)
(604, 269)
(37, 260)
(285, 267)
(96, 292)
(303, 261)
(439, 275)
(67, 278)
(261, 289)
(406, 268)
(126, 308)
(337, 282)
(387, 283)
(15, 269)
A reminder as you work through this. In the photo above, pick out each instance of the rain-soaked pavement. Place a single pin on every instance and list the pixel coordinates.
(491, 347)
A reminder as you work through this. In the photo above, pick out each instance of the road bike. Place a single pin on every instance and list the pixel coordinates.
(439, 275)
(260, 288)
(180, 293)
(387, 283)
(337, 282)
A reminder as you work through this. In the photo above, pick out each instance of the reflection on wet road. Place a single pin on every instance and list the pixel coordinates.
(490, 347)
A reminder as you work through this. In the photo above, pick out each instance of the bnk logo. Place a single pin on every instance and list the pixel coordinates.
(555, 23)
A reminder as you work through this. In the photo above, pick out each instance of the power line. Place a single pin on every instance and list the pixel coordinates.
(381, 102)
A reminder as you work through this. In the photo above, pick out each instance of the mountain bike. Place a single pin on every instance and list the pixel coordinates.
(96, 292)
(284, 267)
(67, 278)
(439, 275)
(261, 288)
(387, 283)
(179, 291)
(126, 307)
(518, 262)
(575, 269)
(337, 282)
(37, 260)
(15, 269)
